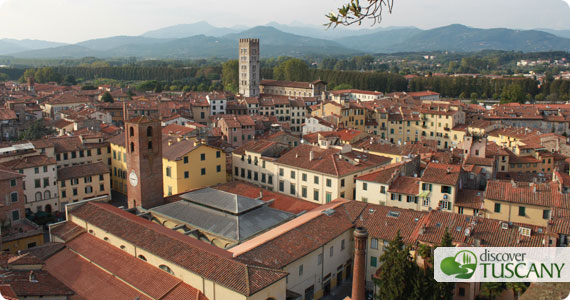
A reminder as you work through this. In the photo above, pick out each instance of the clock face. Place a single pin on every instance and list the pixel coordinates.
(133, 179)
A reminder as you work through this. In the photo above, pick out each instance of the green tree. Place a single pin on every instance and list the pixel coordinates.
(517, 287)
(293, 69)
(107, 98)
(397, 271)
(69, 79)
(492, 289)
(37, 130)
(342, 86)
(230, 75)
(444, 290)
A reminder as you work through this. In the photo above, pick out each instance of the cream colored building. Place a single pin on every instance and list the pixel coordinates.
(82, 182)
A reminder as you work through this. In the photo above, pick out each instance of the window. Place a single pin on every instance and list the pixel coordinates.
(426, 186)
(461, 292)
(373, 261)
(87, 179)
(132, 147)
(262, 177)
(82, 155)
(331, 251)
(166, 269)
(75, 181)
(89, 152)
(46, 182)
(374, 243)
(47, 195)
(304, 191)
(75, 192)
(316, 180)
(14, 196)
(186, 174)
(203, 156)
(45, 169)
(236, 171)
(300, 270)
(185, 159)
(342, 245)
(36, 170)
(329, 182)
(383, 189)
(426, 201)
(281, 186)
(219, 169)
(446, 205)
(316, 195)
(497, 207)
(88, 189)
(168, 171)
(12, 182)
(141, 257)
(292, 174)
(101, 177)
(522, 211)
(73, 154)
(203, 171)
(101, 187)
(292, 189)
(270, 179)
(342, 183)
(149, 131)
(446, 189)
(546, 214)
(364, 186)
(63, 194)
(320, 259)
(281, 172)
(329, 197)
(460, 210)
(15, 215)
(304, 176)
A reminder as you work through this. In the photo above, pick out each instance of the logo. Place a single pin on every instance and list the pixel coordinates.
(462, 265)
(508, 264)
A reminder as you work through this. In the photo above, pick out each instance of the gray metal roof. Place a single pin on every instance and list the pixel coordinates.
(220, 200)
(221, 223)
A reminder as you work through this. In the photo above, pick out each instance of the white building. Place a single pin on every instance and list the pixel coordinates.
(217, 105)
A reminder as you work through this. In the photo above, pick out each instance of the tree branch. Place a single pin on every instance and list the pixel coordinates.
(353, 13)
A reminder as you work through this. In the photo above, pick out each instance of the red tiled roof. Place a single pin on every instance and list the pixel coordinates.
(29, 162)
(441, 173)
(383, 175)
(470, 198)
(78, 171)
(405, 185)
(540, 194)
(200, 258)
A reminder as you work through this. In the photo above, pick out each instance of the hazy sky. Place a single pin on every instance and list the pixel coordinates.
(78, 20)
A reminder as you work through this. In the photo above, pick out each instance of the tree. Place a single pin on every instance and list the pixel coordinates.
(353, 13)
(342, 86)
(293, 69)
(69, 79)
(517, 287)
(230, 75)
(397, 271)
(107, 98)
(444, 290)
(492, 289)
(37, 130)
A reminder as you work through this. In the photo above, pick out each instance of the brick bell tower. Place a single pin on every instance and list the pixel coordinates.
(143, 140)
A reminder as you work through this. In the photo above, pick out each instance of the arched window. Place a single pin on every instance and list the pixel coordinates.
(39, 196)
(132, 131)
(150, 145)
(132, 147)
(166, 269)
(141, 257)
(47, 195)
(149, 131)
(48, 208)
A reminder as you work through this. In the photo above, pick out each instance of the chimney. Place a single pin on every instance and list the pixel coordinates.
(359, 276)
(311, 155)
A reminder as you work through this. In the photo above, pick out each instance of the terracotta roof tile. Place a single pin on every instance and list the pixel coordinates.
(442, 173)
(78, 171)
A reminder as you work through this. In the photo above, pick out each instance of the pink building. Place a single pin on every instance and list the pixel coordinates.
(236, 130)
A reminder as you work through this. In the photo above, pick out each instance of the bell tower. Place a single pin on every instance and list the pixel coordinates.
(249, 67)
(143, 141)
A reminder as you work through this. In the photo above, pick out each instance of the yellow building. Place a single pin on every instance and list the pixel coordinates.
(82, 182)
(521, 202)
(21, 236)
(118, 164)
(350, 114)
(189, 164)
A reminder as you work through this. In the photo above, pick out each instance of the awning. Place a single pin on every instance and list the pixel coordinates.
(424, 194)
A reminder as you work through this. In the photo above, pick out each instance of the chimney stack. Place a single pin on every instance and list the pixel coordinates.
(311, 155)
(359, 275)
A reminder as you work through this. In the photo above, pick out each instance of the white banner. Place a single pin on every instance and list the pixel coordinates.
(494, 264)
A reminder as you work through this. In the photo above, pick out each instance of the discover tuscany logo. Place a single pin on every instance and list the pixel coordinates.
(510, 264)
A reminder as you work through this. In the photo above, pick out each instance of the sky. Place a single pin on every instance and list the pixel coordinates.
(73, 21)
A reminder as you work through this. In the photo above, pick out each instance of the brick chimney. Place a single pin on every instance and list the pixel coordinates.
(359, 274)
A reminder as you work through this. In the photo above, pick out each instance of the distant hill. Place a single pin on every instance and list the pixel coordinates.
(8, 46)
(275, 43)
(380, 41)
(463, 38)
(560, 33)
(105, 44)
(187, 30)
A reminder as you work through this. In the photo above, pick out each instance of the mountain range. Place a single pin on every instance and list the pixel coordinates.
(202, 40)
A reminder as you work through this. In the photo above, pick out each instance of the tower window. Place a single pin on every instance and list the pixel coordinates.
(132, 131)
(149, 131)
(132, 147)
(150, 145)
